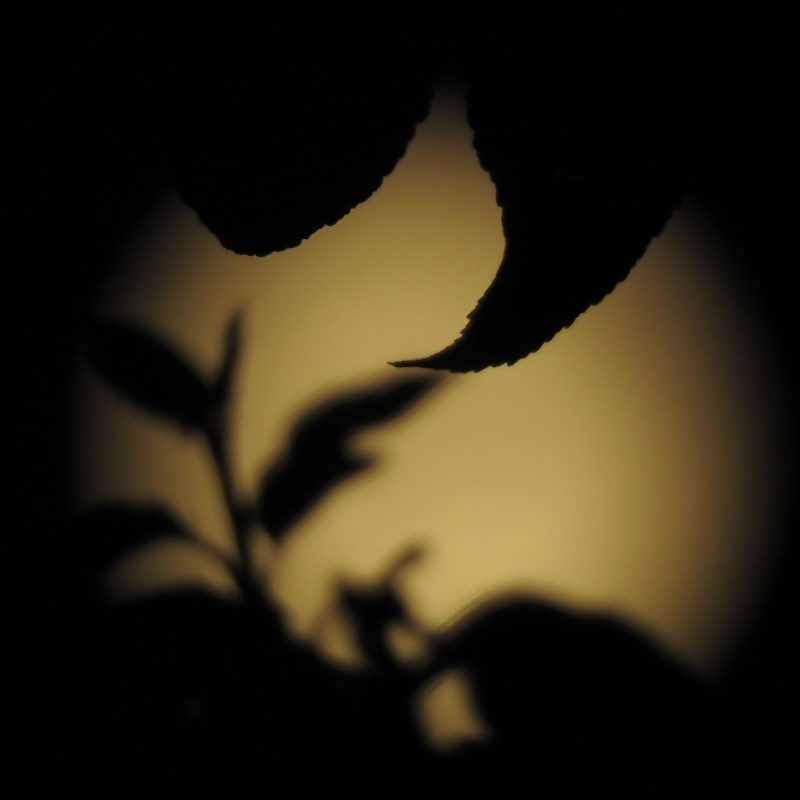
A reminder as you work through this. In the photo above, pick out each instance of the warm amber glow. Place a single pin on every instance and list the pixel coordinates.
(624, 467)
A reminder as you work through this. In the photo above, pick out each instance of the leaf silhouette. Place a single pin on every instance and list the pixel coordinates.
(108, 531)
(535, 295)
(534, 664)
(301, 146)
(148, 372)
(318, 455)
(589, 158)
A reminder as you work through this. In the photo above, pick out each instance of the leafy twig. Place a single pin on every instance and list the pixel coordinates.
(162, 382)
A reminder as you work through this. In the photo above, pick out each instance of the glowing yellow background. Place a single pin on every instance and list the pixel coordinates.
(624, 467)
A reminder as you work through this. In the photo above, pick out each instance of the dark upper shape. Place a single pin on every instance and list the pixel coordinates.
(294, 117)
(591, 119)
(590, 146)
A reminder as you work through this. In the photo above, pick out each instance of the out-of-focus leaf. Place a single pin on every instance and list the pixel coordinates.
(589, 155)
(318, 455)
(109, 531)
(148, 372)
(297, 147)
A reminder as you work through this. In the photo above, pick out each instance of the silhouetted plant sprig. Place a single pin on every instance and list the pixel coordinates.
(572, 667)
(160, 381)
(318, 456)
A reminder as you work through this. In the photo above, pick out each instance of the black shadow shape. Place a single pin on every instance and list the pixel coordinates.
(318, 456)
(374, 607)
(101, 536)
(592, 120)
(576, 699)
(106, 532)
(297, 117)
(87, 162)
(187, 687)
(148, 372)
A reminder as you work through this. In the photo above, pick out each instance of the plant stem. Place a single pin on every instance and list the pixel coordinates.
(216, 432)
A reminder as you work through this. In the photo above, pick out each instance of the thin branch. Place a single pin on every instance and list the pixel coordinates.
(217, 433)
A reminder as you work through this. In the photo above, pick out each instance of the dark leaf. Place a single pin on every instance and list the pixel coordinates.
(318, 455)
(590, 690)
(589, 156)
(268, 147)
(374, 607)
(537, 294)
(109, 531)
(148, 372)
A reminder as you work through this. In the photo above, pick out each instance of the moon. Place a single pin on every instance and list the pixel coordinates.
(624, 469)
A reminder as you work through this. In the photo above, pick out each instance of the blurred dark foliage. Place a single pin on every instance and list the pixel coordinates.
(569, 700)
(187, 691)
(319, 454)
(147, 370)
(103, 112)
(106, 532)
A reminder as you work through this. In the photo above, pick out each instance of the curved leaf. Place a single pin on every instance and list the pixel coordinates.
(267, 147)
(590, 158)
(148, 372)
(109, 531)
